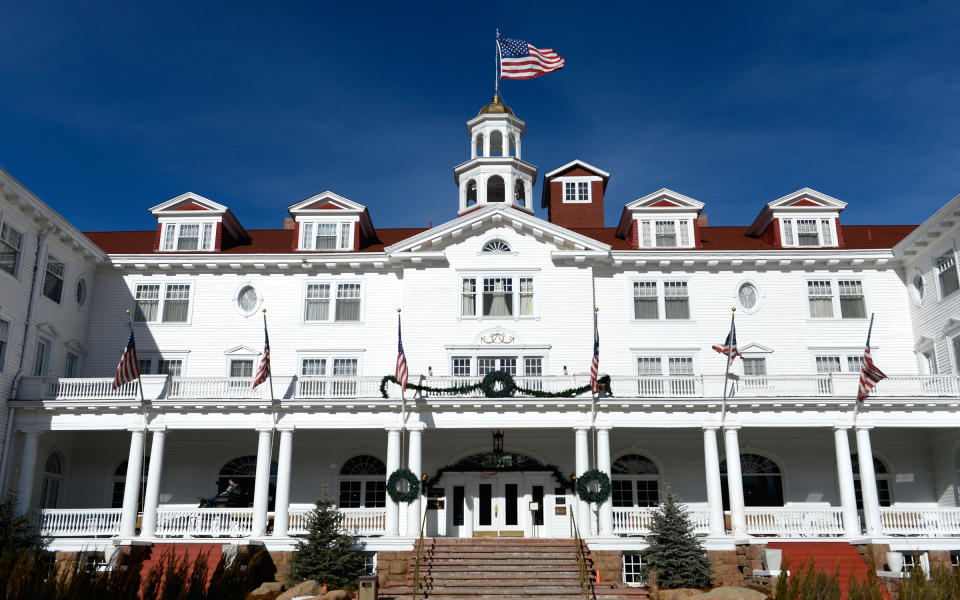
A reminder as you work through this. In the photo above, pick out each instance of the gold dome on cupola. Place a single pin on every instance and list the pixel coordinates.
(495, 108)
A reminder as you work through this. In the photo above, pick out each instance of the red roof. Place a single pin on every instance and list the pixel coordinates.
(280, 241)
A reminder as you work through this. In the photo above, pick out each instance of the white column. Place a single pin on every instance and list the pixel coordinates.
(868, 482)
(393, 463)
(528, 194)
(711, 460)
(473, 147)
(848, 497)
(518, 146)
(414, 464)
(603, 464)
(261, 486)
(151, 499)
(131, 487)
(582, 465)
(738, 519)
(486, 143)
(28, 468)
(281, 518)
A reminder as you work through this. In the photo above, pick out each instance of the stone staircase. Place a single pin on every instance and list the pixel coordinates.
(503, 569)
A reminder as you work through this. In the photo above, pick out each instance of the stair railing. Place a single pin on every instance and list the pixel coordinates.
(416, 564)
(586, 584)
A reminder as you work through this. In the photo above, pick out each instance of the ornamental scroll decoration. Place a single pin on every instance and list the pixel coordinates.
(498, 337)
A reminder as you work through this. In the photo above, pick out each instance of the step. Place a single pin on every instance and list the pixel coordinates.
(485, 569)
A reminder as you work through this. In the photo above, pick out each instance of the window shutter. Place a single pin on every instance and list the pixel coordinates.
(307, 243)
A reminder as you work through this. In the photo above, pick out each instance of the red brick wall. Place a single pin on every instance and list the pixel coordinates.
(218, 240)
(841, 243)
(576, 215)
(356, 235)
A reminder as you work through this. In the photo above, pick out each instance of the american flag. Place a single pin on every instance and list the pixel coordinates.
(263, 371)
(129, 368)
(595, 365)
(520, 60)
(729, 347)
(402, 374)
(869, 373)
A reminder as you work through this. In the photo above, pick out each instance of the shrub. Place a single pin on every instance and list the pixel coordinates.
(328, 554)
(673, 551)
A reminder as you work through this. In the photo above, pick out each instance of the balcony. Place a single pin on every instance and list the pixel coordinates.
(693, 387)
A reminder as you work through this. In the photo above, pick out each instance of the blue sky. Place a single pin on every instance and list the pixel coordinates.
(108, 108)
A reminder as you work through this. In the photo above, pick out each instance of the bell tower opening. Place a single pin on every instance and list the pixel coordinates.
(495, 189)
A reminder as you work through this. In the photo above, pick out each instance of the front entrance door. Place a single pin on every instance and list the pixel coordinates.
(498, 504)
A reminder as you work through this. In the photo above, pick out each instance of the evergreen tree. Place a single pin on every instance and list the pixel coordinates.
(673, 551)
(328, 554)
(17, 533)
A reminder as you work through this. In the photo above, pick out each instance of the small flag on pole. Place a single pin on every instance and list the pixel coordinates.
(595, 365)
(729, 347)
(263, 371)
(129, 368)
(869, 373)
(520, 60)
(402, 374)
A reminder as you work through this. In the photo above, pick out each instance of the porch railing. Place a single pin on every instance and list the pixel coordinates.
(79, 522)
(88, 388)
(197, 522)
(920, 521)
(356, 521)
(636, 520)
(338, 387)
(214, 387)
(790, 521)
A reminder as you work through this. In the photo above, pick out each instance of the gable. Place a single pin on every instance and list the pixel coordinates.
(188, 202)
(326, 201)
(664, 198)
(323, 206)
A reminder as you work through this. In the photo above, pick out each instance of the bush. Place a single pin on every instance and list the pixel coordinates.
(328, 555)
(673, 551)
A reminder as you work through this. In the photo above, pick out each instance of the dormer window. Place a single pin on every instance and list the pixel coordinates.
(326, 236)
(188, 237)
(666, 233)
(807, 233)
(576, 191)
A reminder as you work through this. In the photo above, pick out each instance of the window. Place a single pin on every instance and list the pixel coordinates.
(666, 233)
(500, 296)
(161, 366)
(11, 246)
(635, 481)
(496, 247)
(329, 376)
(41, 359)
(81, 292)
(668, 298)
(660, 376)
(72, 366)
(162, 303)
(4, 341)
(883, 481)
(243, 471)
(53, 279)
(849, 302)
(461, 366)
(52, 479)
(632, 571)
(955, 343)
(363, 483)
(755, 367)
(241, 367)
(187, 237)
(748, 297)
(120, 480)
(762, 481)
(576, 191)
(247, 299)
(326, 236)
(347, 302)
(486, 364)
(928, 362)
(807, 233)
(947, 274)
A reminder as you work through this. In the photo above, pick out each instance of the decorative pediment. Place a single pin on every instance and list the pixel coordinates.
(577, 164)
(48, 330)
(184, 204)
(241, 351)
(952, 327)
(809, 199)
(923, 343)
(666, 199)
(754, 349)
(325, 201)
(75, 346)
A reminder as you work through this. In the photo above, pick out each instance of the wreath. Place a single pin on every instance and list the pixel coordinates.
(489, 384)
(603, 486)
(413, 487)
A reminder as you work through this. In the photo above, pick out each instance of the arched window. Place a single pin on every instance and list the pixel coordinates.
(480, 144)
(762, 481)
(513, 144)
(495, 189)
(883, 481)
(120, 480)
(636, 481)
(496, 144)
(520, 193)
(363, 483)
(52, 479)
(496, 246)
(471, 192)
(243, 471)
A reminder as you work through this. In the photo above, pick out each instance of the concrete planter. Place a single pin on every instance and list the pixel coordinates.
(895, 561)
(772, 558)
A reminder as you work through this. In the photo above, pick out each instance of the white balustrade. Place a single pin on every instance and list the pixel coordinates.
(939, 521)
(214, 387)
(637, 520)
(780, 387)
(196, 522)
(927, 386)
(795, 521)
(80, 522)
(356, 521)
(338, 387)
(88, 389)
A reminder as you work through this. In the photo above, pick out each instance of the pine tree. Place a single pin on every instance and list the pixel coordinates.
(673, 551)
(328, 554)
(17, 533)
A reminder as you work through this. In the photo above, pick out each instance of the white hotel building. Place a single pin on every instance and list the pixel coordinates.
(495, 288)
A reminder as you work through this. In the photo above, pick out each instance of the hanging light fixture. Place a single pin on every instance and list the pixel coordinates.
(498, 442)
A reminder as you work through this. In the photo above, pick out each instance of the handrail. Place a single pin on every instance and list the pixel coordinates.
(585, 583)
(416, 566)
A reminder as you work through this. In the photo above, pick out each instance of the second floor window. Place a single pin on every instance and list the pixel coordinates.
(576, 191)
(161, 366)
(346, 299)
(651, 299)
(53, 279)
(326, 236)
(4, 336)
(162, 303)
(187, 237)
(848, 302)
(666, 233)
(11, 245)
(499, 296)
(947, 275)
(41, 359)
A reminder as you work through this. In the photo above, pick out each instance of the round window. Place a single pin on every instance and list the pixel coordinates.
(247, 299)
(747, 296)
(81, 291)
(916, 289)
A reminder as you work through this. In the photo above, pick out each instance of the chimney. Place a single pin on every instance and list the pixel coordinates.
(289, 223)
(702, 220)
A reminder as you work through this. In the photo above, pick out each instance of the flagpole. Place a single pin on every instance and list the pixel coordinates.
(856, 404)
(594, 395)
(496, 66)
(269, 367)
(139, 382)
(726, 375)
(403, 416)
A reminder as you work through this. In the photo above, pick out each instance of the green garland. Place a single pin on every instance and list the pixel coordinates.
(603, 486)
(413, 488)
(466, 389)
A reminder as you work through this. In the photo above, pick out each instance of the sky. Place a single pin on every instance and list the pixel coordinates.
(109, 108)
